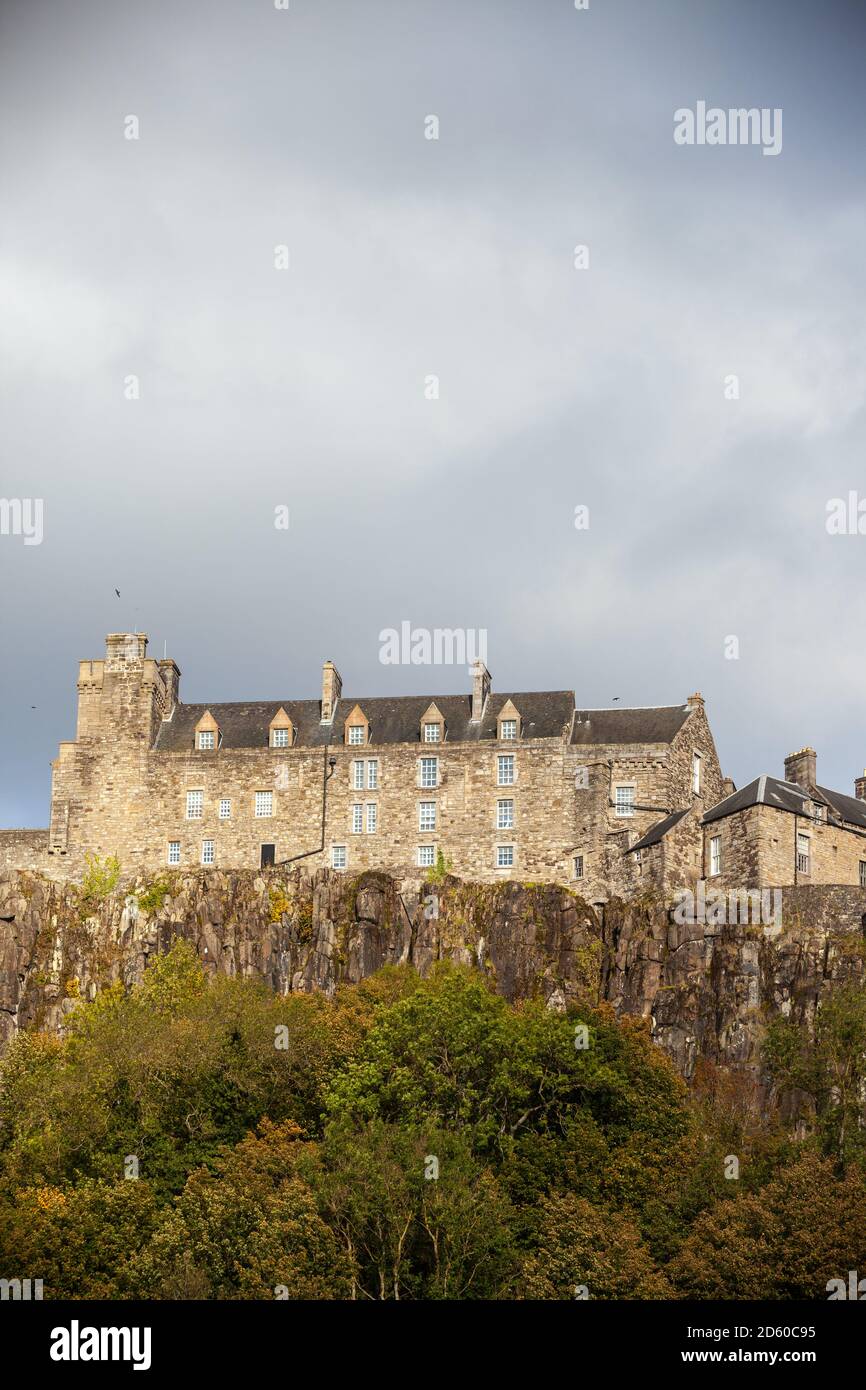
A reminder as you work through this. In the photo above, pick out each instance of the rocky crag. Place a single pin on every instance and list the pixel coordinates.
(708, 991)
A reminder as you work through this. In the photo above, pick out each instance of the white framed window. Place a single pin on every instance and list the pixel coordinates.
(429, 772)
(338, 856)
(803, 854)
(426, 856)
(432, 734)
(696, 773)
(358, 775)
(715, 855)
(624, 801)
(508, 728)
(578, 866)
(505, 769)
(372, 774)
(264, 805)
(174, 851)
(505, 815)
(863, 873)
(194, 805)
(225, 808)
(279, 738)
(372, 817)
(427, 815)
(504, 856)
(207, 852)
(206, 738)
(357, 818)
(356, 733)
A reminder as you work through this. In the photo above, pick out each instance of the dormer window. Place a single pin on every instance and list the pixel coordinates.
(356, 730)
(508, 723)
(281, 733)
(207, 733)
(432, 725)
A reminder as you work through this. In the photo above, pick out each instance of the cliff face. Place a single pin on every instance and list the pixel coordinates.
(708, 991)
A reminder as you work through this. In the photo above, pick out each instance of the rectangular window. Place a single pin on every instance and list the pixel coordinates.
(225, 808)
(505, 775)
(338, 856)
(174, 851)
(206, 738)
(280, 738)
(504, 856)
(372, 817)
(429, 772)
(372, 774)
(356, 733)
(358, 776)
(426, 856)
(578, 866)
(357, 818)
(715, 855)
(427, 815)
(696, 773)
(505, 815)
(432, 733)
(863, 873)
(207, 851)
(194, 805)
(508, 728)
(803, 854)
(264, 804)
(624, 801)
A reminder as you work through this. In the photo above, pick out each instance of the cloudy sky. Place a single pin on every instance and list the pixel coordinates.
(411, 257)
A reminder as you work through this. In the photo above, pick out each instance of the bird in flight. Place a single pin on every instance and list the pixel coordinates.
(117, 591)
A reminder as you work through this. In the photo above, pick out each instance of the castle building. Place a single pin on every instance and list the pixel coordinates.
(505, 786)
(787, 832)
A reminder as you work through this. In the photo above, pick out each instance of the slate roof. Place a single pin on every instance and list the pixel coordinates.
(543, 715)
(653, 725)
(657, 832)
(788, 796)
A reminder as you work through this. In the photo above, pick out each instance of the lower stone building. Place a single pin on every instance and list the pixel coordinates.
(785, 832)
(522, 785)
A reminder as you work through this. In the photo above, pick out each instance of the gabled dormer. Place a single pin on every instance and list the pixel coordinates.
(508, 723)
(207, 733)
(356, 730)
(281, 731)
(432, 726)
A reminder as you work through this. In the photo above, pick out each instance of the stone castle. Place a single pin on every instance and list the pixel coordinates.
(523, 786)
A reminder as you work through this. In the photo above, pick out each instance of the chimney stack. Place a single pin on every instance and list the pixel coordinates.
(695, 701)
(860, 786)
(480, 690)
(332, 688)
(170, 672)
(802, 768)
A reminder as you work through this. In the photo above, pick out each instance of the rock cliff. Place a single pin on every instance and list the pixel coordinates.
(708, 991)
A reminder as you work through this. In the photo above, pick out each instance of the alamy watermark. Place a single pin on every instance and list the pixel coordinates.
(719, 908)
(439, 646)
(736, 126)
(22, 516)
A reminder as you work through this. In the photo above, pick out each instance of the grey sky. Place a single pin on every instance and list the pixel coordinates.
(455, 257)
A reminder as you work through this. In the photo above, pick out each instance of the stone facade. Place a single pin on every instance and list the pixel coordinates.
(353, 783)
(785, 833)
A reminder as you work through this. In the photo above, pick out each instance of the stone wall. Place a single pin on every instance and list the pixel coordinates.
(759, 848)
(23, 849)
